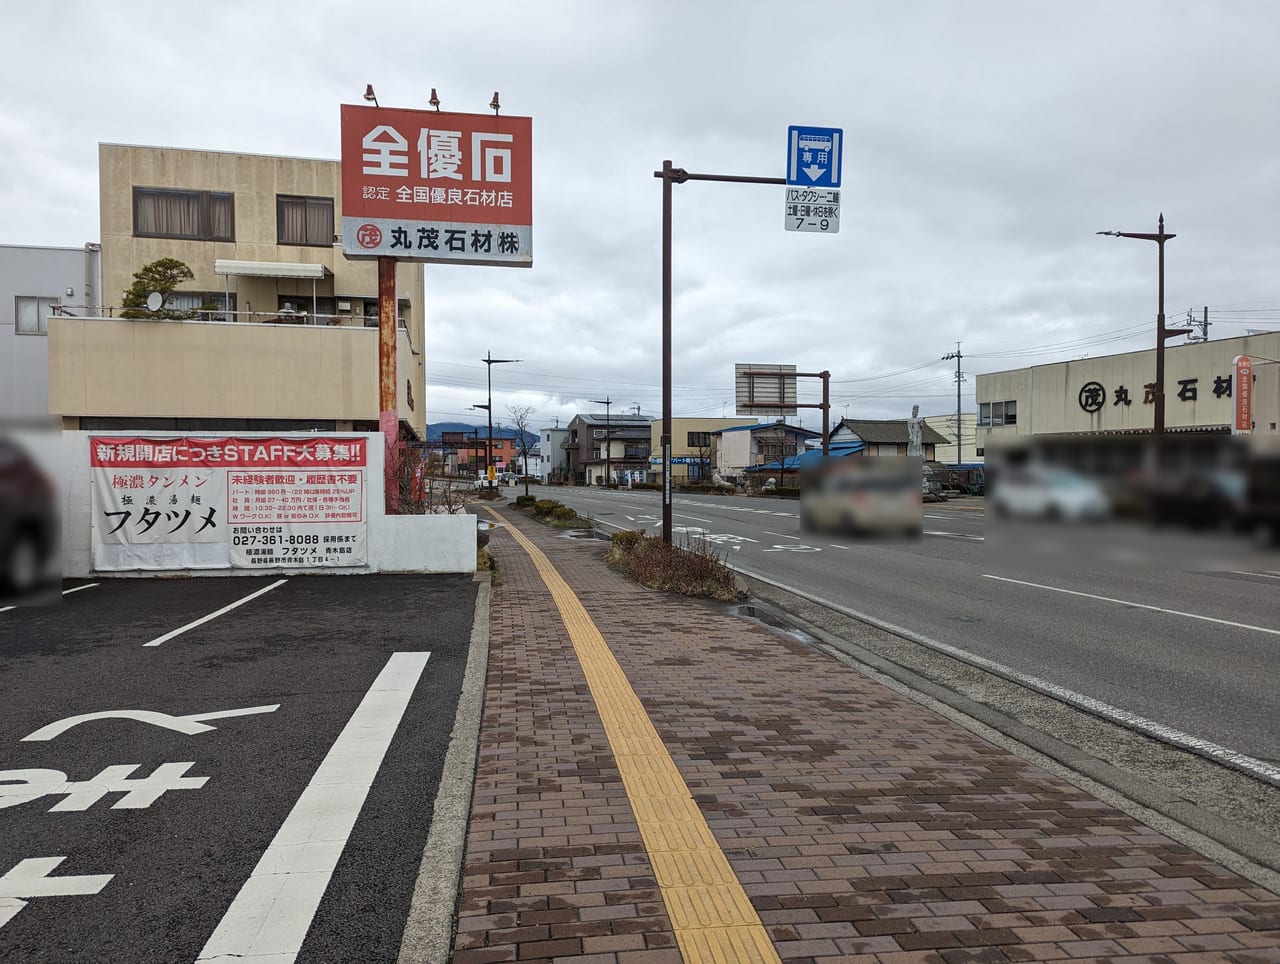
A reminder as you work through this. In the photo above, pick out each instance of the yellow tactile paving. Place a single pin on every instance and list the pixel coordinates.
(713, 920)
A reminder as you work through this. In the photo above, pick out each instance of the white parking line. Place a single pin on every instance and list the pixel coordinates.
(65, 592)
(204, 619)
(1136, 605)
(270, 917)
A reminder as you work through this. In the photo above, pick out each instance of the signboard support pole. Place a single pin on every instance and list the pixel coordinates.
(667, 174)
(388, 410)
(826, 413)
(676, 175)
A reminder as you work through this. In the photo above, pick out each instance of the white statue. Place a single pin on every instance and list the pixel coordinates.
(915, 432)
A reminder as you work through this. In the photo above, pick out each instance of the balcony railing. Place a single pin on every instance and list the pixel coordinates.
(217, 315)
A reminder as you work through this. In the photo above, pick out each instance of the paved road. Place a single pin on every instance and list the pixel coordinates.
(142, 837)
(1181, 631)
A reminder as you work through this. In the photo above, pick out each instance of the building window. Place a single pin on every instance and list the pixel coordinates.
(304, 220)
(636, 452)
(32, 314)
(185, 215)
(598, 433)
(995, 414)
(699, 440)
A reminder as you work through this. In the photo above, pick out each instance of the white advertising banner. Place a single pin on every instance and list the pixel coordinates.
(246, 503)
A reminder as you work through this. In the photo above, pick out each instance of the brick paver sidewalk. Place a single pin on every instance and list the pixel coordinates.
(862, 825)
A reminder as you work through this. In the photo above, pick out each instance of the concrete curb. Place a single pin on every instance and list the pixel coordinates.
(428, 932)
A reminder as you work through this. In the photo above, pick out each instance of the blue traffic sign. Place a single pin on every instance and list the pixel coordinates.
(813, 156)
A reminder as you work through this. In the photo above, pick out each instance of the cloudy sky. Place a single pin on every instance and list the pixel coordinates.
(985, 143)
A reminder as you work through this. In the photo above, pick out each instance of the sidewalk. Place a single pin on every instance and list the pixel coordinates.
(860, 825)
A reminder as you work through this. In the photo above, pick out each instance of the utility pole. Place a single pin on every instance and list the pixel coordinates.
(959, 421)
(608, 474)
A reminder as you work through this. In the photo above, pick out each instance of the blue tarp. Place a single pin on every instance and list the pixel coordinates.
(807, 460)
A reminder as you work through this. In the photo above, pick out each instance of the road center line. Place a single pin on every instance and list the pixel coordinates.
(1135, 605)
(270, 917)
(204, 619)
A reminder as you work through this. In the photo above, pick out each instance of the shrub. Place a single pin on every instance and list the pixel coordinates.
(526, 501)
(692, 570)
(562, 513)
(650, 486)
(626, 542)
(544, 507)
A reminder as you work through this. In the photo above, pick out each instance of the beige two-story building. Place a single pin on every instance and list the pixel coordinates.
(283, 329)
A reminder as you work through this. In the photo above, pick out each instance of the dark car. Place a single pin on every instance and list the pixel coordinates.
(28, 523)
(1204, 499)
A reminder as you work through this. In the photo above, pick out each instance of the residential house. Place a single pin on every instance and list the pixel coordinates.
(882, 437)
(551, 454)
(693, 446)
(601, 445)
(749, 446)
(284, 336)
(36, 282)
(473, 451)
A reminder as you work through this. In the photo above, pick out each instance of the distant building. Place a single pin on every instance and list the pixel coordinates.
(551, 454)
(35, 283)
(598, 446)
(945, 425)
(693, 446)
(284, 336)
(751, 446)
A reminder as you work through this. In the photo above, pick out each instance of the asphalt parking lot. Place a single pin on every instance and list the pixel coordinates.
(179, 788)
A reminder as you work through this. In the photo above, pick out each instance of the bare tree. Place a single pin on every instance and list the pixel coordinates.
(520, 418)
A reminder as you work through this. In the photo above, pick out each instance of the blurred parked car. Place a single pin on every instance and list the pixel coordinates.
(863, 496)
(28, 522)
(1040, 492)
(1204, 499)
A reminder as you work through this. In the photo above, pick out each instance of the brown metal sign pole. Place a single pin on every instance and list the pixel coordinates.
(388, 414)
(677, 175)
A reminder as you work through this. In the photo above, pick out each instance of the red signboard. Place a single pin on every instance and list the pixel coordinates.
(437, 186)
(1243, 421)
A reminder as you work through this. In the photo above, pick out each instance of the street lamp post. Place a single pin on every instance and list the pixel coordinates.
(606, 402)
(1162, 333)
(489, 362)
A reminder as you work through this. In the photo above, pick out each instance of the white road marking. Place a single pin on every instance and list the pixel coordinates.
(782, 534)
(30, 878)
(1135, 605)
(270, 917)
(1264, 575)
(1241, 761)
(204, 619)
(65, 592)
(190, 725)
(955, 535)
